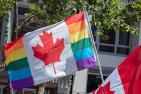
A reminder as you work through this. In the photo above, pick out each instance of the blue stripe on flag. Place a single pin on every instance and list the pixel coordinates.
(83, 53)
(19, 74)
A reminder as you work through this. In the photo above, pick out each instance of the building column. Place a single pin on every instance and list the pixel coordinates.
(10, 25)
(2, 34)
(80, 82)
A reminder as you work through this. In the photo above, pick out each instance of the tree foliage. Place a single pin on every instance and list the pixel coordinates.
(5, 6)
(106, 14)
(51, 11)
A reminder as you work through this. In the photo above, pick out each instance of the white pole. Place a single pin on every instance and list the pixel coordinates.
(93, 44)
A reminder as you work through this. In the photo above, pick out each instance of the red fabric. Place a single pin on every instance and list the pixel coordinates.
(50, 52)
(74, 19)
(104, 89)
(130, 72)
(8, 45)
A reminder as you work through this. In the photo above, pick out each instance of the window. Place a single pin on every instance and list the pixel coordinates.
(33, 1)
(1, 88)
(52, 91)
(94, 78)
(28, 91)
(0, 29)
(0, 25)
(116, 43)
(94, 81)
(110, 39)
(22, 10)
(6, 90)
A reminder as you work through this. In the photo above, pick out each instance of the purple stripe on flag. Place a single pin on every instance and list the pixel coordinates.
(86, 63)
(19, 84)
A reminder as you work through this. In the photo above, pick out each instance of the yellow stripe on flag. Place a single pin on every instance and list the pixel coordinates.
(17, 54)
(75, 27)
(17, 45)
(78, 36)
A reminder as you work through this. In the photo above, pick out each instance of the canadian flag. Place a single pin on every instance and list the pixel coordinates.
(126, 78)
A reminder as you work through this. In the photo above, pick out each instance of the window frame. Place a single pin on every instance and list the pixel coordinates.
(28, 89)
(1, 88)
(116, 45)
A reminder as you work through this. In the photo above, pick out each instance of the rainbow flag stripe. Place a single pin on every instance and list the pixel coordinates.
(17, 64)
(80, 41)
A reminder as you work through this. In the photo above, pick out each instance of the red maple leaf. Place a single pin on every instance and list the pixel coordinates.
(50, 52)
(105, 89)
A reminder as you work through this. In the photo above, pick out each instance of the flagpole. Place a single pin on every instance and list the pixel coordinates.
(93, 44)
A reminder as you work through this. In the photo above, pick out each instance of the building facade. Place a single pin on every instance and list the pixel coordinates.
(111, 53)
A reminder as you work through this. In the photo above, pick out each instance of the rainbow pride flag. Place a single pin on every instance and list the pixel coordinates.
(50, 52)
(17, 64)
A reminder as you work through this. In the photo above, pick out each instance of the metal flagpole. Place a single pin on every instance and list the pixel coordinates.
(93, 44)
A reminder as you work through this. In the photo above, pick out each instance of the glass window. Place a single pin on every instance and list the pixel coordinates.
(0, 29)
(94, 29)
(104, 48)
(93, 82)
(6, 90)
(21, 0)
(121, 50)
(124, 38)
(22, 10)
(0, 90)
(33, 1)
(115, 42)
(29, 91)
(0, 25)
(110, 37)
(52, 91)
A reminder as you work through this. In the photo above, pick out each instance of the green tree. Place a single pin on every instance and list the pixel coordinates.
(107, 14)
(5, 6)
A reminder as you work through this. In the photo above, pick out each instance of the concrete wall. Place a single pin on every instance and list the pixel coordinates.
(134, 41)
(80, 82)
(110, 60)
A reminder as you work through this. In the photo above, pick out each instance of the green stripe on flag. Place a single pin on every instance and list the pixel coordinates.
(81, 44)
(18, 64)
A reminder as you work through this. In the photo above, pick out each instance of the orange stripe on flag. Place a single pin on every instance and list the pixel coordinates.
(77, 27)
(15, 45)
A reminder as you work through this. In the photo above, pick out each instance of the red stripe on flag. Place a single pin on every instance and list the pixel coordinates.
(9, 45)
(74, 19)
